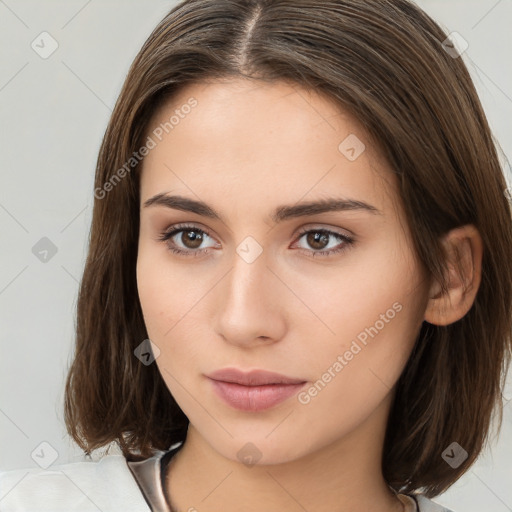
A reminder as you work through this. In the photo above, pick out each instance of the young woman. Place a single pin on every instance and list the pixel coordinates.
(298, 288)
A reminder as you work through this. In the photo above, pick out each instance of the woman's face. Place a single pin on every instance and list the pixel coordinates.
(331, 298)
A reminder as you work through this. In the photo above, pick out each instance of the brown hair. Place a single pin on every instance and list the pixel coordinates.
(383, 62)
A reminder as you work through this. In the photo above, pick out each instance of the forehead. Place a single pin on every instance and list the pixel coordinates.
(274, 139)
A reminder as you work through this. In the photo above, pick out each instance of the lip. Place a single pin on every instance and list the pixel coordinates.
(256, 390)
(252, 378)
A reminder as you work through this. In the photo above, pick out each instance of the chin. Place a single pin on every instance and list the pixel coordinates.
(260, 450)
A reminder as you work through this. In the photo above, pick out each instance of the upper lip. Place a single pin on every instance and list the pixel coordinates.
(252, 378)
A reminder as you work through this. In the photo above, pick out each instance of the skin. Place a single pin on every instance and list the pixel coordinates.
(245, 149)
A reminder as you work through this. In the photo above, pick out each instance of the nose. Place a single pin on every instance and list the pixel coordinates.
(250, 304)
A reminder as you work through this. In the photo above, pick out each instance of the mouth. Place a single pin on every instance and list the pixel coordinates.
(256, 390)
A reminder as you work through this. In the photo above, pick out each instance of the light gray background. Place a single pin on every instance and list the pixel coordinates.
(53, 113)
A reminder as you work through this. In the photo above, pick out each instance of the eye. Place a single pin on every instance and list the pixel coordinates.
(185, 239)
(320, 239)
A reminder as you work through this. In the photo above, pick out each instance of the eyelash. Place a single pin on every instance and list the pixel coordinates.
(179, 228)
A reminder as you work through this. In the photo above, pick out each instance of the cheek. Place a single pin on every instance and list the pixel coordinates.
(373, 312)
(354, 376)
(165, 292)
(167, 299)
(150, 292)
(351, 298)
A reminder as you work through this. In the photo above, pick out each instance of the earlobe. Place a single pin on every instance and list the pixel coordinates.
(464, 248)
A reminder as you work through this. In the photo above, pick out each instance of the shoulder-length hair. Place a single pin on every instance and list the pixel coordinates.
(384, 62)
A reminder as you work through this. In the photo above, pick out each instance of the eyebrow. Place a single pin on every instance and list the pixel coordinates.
(280, 214)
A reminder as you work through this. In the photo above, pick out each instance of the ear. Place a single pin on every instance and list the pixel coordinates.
(464, 249)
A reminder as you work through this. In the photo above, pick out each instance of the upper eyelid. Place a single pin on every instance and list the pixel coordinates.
(302, 230)
(180, 227)
(333, 231)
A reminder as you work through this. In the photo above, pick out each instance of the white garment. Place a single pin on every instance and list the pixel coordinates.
(107, 485)
(103, 486)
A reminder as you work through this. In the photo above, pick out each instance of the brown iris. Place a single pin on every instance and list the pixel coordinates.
(315, 238)
(192, 237)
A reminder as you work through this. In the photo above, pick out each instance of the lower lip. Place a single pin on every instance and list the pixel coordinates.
(254, 398)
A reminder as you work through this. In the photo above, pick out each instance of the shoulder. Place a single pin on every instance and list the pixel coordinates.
(426, 505)
(86, 486)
